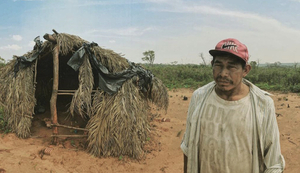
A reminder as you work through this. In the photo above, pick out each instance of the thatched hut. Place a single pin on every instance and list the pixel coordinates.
(107, 90)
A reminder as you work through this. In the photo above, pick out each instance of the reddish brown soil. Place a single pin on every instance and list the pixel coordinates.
(164, 154)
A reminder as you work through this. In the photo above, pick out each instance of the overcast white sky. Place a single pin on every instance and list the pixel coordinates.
(177, 30)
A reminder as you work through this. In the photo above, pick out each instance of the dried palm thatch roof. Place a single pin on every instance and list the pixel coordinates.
(117, 114)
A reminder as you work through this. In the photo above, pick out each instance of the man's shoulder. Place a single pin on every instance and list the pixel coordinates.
(204, 89)
(261, 95)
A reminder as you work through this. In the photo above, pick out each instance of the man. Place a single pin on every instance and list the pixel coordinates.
(231, 124)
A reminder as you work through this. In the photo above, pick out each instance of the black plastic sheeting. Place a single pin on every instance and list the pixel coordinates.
(23, 62)
(108, 82)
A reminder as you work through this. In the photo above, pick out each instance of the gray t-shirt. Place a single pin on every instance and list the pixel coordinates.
(226, 136)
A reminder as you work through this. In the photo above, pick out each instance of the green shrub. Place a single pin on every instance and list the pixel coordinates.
(182, 76)
(295, 88)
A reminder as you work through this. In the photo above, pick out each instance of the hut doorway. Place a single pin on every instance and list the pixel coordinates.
(67, 85)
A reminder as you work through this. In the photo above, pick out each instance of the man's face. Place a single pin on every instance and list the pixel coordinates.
(228, 73)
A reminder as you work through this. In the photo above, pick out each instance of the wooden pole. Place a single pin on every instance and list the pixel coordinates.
(54, 93)
(50, 38)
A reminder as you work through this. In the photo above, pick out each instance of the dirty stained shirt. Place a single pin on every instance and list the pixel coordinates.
(266, 153)
(226, 136)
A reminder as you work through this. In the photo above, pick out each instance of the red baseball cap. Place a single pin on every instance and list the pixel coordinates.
(231, 46)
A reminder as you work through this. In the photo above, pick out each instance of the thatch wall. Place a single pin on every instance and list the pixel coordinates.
(118, 123)
(17, 96)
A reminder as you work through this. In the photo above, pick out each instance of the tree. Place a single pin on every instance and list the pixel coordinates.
(253, 64)
(203, 59)
(174, 63)
(295, 65)
(149, 56)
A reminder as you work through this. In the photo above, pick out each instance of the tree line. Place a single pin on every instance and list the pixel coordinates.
(271, 78)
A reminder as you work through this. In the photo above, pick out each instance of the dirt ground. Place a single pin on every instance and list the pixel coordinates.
(164, 154)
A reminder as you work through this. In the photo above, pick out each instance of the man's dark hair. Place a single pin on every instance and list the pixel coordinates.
(237, 59)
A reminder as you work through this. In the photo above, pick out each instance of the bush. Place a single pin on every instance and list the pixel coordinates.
(182, 76)
(295, 88)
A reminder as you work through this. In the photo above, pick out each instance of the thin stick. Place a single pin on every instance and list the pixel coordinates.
(27, 116)
(69, 91)
(71, 136)
(65, 93)
(35, 71)
(55, 31)
(70, 127)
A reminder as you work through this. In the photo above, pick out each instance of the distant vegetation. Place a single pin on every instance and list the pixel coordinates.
(270, 77)
(182, 76)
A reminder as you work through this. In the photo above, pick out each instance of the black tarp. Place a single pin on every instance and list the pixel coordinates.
(110, 82)
(23, 62)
